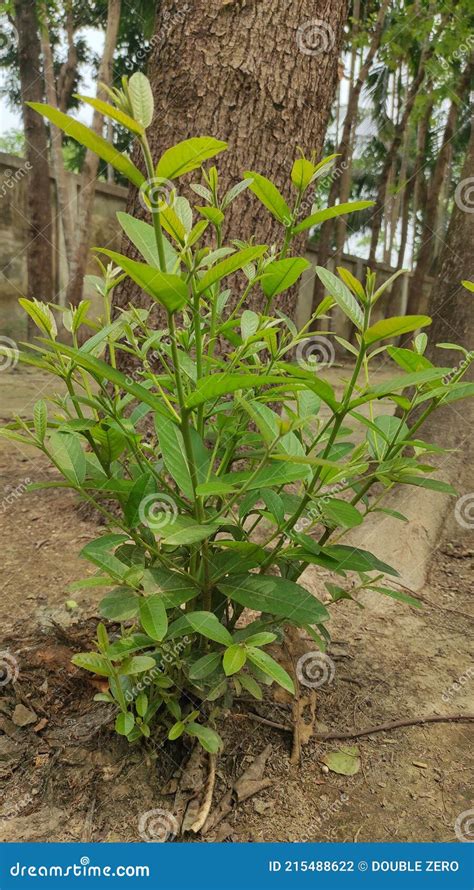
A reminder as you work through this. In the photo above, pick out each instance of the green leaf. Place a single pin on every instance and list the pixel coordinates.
(342, 295)
(141, 487)
(173, 587)
(352, 559)
(341, 513)
(269, 666)
(138, 664)
(205, 666)
(397, 595)
(141, 98)
(281, 274)
(302, 173)
(176, 730)
(141, 704)
(214, 386)
(115, 113)
(185, 531)
(92, 661)
(124, 724)
(205, 623)
(426, 482)
(264, 638)
(230, 265)
(98, 552)
(278, 596)
(119, 605)
(67, 453)
(153, 617)
(234, 659)
(169, 290)
(269, 195)
(40, 419)
(393, 327)
(213, 214)
(142, 235)
(209, 739)
(174, 454)
(188, 155)
(388, 283)
(408, 360)
(89, 139)
(329, 213)
(249, 323)
(251, 686)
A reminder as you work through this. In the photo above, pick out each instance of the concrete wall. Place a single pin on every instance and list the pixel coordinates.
(15, 179)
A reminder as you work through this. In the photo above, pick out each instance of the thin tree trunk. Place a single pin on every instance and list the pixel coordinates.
(261, 80)
(378, 211)
(39, 253)
(428, 234)
(340, 186)
(91, 164)
(62, 190)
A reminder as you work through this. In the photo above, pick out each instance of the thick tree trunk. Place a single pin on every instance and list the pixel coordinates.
(429, 234)
(39, 253)
(91, 164)
(261, 76)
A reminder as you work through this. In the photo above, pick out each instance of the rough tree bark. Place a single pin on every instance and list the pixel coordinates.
(428, 233)
(39, 254)
(261, 76)
(91, 165)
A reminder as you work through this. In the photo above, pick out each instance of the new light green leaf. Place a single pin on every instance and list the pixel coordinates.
(214, 387)
(89, 139)
(269, 195)
(329, 213)
(188, 155)
(230, 265)
(281, 274)
(172, 448)
(142, 235)
(111, 111)
(342, 295)
(269, 666)
(67, 453)
(141, 98)
(169, 290)
(393, 327)
(234, 659)
(153, 617)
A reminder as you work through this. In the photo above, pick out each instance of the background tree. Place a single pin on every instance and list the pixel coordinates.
(260, 76)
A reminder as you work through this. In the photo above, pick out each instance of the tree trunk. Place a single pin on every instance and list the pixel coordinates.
(91, 164)
(39, 253)
(451, 306)
(340, 186)
(429, 234)
(378, 211)
(261, 76)
(62, 190)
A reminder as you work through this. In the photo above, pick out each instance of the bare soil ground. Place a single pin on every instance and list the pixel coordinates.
(67, 777)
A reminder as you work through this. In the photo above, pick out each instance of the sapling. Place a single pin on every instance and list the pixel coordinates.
(245, 439)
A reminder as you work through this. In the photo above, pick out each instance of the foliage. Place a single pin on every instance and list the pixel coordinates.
(245, 438)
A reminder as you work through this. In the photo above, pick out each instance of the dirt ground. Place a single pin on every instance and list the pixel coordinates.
(67, 777)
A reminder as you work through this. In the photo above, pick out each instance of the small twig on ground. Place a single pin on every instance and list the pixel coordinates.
(382, 727)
